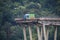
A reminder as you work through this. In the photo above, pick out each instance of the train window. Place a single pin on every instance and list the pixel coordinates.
(27, 16)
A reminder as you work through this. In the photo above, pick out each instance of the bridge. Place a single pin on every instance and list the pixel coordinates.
(43, 23)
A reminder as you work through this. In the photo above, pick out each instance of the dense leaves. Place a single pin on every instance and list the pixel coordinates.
(10, 9)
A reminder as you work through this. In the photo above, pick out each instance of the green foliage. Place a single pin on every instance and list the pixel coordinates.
(10, 9)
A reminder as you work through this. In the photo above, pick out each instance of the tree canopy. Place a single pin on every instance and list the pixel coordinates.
(11, 9)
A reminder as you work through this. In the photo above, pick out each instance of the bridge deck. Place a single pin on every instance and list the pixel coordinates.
(21, 19)
(47, 21)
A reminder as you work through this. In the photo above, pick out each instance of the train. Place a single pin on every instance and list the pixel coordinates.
(29, 16)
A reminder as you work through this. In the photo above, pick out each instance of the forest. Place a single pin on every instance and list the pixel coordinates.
(11, 9)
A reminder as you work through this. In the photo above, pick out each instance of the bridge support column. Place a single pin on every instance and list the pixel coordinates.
(55, 34)
(30, 33)
(47, 33)
(39, 34)
(24, 32)
(44, 29)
